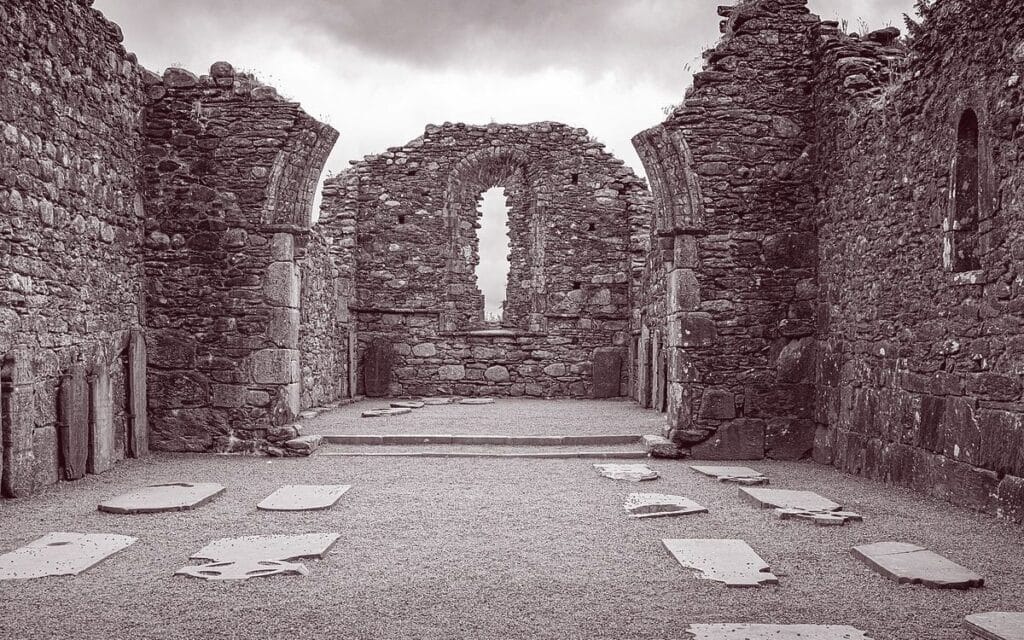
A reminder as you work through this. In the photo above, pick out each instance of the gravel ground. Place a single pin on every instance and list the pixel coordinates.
(507, 416)
(485, 548)
(475, 449)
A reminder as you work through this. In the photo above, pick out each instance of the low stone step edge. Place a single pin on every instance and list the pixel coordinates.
(568, 455)
(443, 438)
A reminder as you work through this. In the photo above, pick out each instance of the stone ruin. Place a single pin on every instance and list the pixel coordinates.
(826, 264)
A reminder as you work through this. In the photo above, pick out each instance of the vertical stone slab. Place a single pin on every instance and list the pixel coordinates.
(101, 420)
(138, 421)
(73, 422)
(607, 372)
(18, 423)
(378, 360)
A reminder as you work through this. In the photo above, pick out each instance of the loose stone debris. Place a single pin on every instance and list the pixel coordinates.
(738, 475)
(634, 472)
(775, 632)
(158, 498)
(258, 556)
(730, 561)
(304, 497)
(477, 401)
(243, 569)
(407, 404)
(907, 563)
(61, 554)
(655, 505)
(997, 625)
(308, 414)
(384, 413)
(820, 518)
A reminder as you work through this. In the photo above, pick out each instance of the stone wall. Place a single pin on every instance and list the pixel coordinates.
(729, 352)
(230, 169)
(408, 220)
(324, 336)
(919, 379)
(70, 232)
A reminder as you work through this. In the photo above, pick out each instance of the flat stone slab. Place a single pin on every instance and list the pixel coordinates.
(738, 475)
(176, 496)
(242, 569)
(655, 505)
(408, 404)
(384, 413)
(477, 401)
(304, 497)
(788, 499)
(730, 561)
(272, 547)
(775, 632)
(634, 472)
(433, 402)
(907, 563)
(997, 625)
(820, 518)
(61, 554)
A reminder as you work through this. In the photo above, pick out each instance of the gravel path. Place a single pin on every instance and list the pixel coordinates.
(507, 416)
(486, 548)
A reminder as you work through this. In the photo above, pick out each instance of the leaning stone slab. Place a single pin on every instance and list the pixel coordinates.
(654, 505)
(788, 499)
(634, 472)
(272, 547)
(998, 625)
(73, 422)
(738, 475)
(304, 497)
(775, 632)
(61, 554)
(408, 404)
(907, 563)
(177, 496)
(730, 561)
(384, 413)
(242, 569)
(102, 437)
(477, 401)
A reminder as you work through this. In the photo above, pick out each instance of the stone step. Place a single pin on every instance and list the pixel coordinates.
(477, 451)
(483, 439)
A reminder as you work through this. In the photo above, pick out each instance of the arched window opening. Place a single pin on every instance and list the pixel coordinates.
(963, 226)
(493, 268)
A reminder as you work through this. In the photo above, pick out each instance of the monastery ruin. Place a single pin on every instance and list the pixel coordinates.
(826, 263)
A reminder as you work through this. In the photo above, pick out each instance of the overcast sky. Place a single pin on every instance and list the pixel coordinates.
(380, 70)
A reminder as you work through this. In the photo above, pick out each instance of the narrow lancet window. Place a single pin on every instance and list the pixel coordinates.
(492, 270)
(963, 224)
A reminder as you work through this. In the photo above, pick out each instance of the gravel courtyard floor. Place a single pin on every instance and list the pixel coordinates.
(492, 548)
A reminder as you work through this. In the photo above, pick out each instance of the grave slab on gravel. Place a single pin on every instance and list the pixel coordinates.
(656, 505)
(158, 498)
(271, 547)
(304, 497)
(242, 569)
(775, 632)
(434, 402)
(737, 475)
(407, 404)
(820, 518)
(908, 563)
(477, 401)
(788, 499)
(997, 625)
(61, 554)
(385, 413)
(632, 472)
(730, 561)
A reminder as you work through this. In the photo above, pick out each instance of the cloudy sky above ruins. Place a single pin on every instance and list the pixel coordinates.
(380, 70)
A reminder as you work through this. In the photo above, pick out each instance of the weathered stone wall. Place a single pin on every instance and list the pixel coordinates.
(70, 232)
(230, 170)
(407, 219)
(324, 324)
(734, 234)
(919, 379)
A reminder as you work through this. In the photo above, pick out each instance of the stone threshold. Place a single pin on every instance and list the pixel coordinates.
(391, 439)
(561, 455)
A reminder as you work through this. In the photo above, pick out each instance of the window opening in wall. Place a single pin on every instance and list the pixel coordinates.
(590, 226)
(966, 196)
(401, 219)
(493, 268)
(575, 178)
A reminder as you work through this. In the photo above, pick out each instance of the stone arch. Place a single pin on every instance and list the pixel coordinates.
(507, 166)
